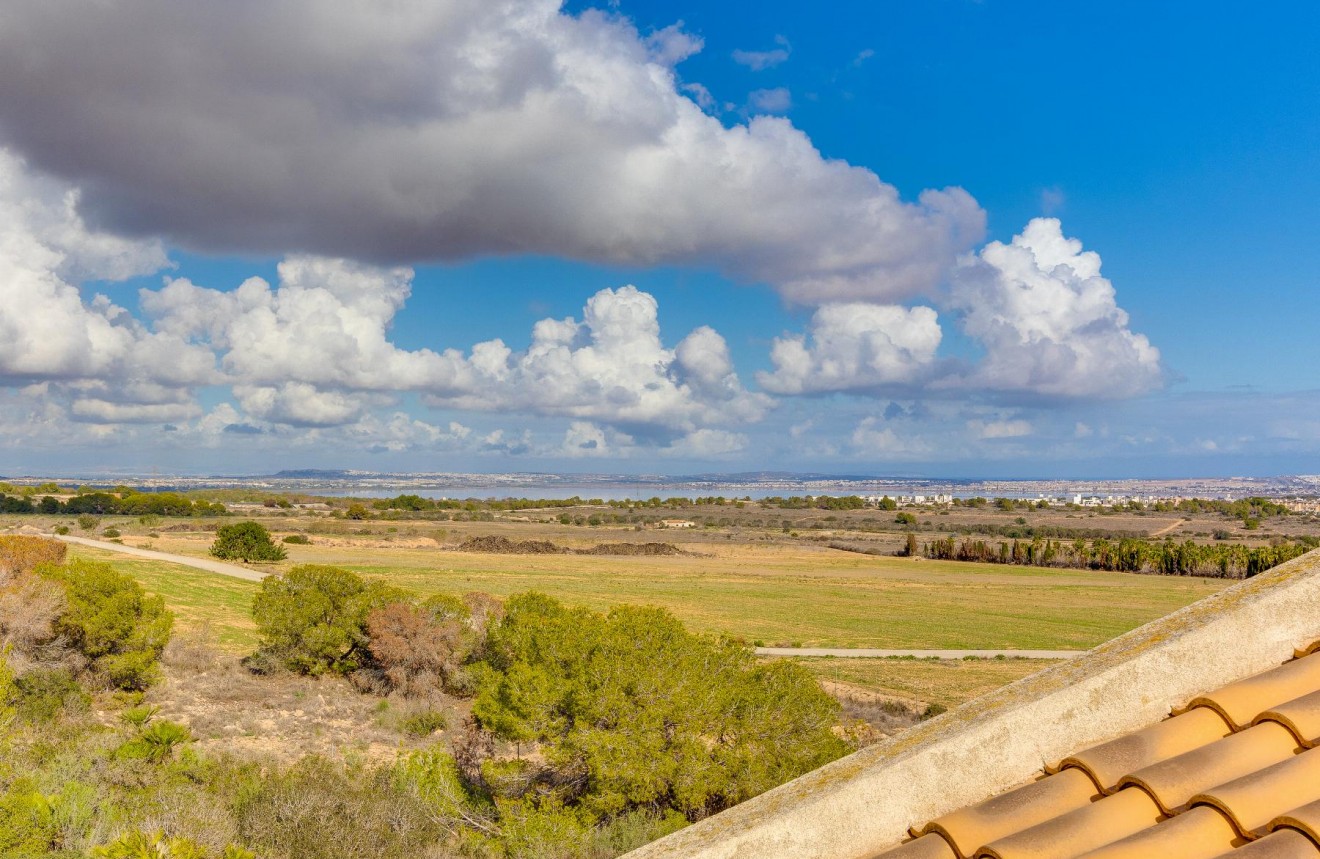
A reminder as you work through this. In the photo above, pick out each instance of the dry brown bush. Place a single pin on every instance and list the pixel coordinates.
(192, 650)
(413, 652)
(29, 606)
(21, 554)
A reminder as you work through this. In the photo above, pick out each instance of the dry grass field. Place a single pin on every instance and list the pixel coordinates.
(746, 577)
(773, 592)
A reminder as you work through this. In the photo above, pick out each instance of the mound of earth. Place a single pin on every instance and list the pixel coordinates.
(504, 546)
(633, 549)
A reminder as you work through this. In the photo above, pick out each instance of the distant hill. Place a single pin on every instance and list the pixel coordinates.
(314, 474)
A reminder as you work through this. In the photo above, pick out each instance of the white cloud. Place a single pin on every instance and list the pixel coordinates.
(326, 325)
(855, 347)
(986, 430)
(698, 93)
(47, 330)
(1048, 321)
(611, 366)
(872, 439)
(299, 404)
(672, 45)
(706, 444)
(446, 130)
(776, 100)
(759, 61)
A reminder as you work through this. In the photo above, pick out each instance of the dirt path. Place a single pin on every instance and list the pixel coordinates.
(1167, 528)
(200, 563)
(872, 653)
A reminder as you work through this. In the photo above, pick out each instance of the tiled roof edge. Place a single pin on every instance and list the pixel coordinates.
(863, 803)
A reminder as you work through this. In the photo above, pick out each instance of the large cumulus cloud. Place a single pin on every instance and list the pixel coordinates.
(95, 352)
(856, 347)
(612, 366)
(444, 129)
(1049, 322)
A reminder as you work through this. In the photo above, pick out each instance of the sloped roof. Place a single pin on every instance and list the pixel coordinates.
(1100, 725)
(1238, 766)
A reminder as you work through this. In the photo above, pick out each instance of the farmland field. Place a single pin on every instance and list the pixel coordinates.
(791, 594)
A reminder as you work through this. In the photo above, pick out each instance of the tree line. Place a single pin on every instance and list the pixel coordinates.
(129, 503)
(1128, 555)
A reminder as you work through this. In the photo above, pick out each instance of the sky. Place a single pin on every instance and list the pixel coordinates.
(943, 239)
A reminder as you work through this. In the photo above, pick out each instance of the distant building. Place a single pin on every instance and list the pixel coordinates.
(677, 523)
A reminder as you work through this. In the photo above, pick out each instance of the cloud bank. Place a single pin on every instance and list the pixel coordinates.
(414, 131)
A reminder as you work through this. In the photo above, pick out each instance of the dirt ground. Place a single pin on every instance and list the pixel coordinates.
(286, 716)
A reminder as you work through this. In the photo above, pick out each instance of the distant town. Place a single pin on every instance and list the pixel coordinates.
(1300, 493)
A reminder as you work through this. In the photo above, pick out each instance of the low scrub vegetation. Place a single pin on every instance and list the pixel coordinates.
(587, 729)
(589, 733)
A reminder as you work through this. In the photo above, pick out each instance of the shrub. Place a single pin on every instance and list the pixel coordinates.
(42, 695)
(414, 652)
(297, 539)
(312, 619)
(111, 533)
(20, 554)
(139, 845)
(156, 742)
(87, 522)
(316, 810)
(425, 723)
(632, 711)
(112, 622)
(29, 607)
(246, 541)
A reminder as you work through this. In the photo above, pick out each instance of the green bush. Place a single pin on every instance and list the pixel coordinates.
(111, 533)
(425, 723)
(29, 823)
(156, 742)
(312, 619)
(297, 539)
(246, 541)
(139, 845)
(112, 622)
(632, 711)
(43, 694)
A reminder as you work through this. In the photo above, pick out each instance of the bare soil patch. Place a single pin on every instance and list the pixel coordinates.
(286, 716)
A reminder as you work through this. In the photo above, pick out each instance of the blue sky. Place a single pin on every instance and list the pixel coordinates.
(741, 218)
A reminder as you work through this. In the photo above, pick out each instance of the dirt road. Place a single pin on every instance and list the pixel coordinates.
(200, 563)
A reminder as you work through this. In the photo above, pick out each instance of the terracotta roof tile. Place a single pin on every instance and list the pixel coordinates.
(1234, 775)
(1077, 832)
(1284, 844)
(1254, 800)
(1305, 820)
(1240, 702)
(925, 847)
(1174, 782)
(1300, 715)
(1201, 833)
(969, 828)
(1109, 762)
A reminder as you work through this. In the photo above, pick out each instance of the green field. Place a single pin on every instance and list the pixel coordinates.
(776, 595)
